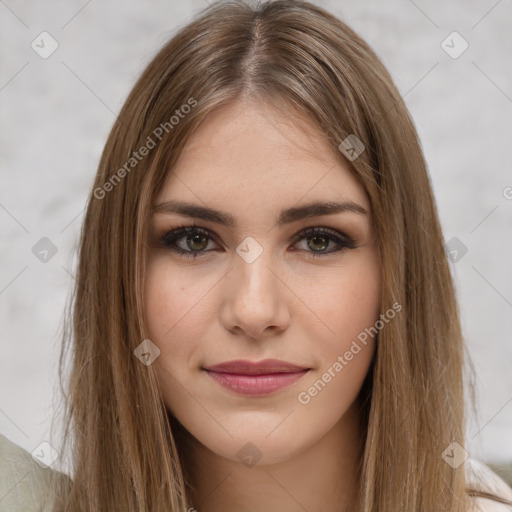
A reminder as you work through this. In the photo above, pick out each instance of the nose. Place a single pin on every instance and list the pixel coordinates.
(254, 298)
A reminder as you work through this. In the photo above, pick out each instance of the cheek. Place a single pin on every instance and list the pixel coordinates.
(173, 308)
(345, 302)
(175, 317)
(347, 307)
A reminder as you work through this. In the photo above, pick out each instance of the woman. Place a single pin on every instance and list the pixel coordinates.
(264, 316)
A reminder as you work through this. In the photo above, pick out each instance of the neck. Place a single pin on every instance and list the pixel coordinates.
(323, 476)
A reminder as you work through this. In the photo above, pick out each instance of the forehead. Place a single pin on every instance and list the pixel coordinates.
(249, 154)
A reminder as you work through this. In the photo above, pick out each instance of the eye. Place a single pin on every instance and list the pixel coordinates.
(189, 241)
(318, 239)
(193, 241)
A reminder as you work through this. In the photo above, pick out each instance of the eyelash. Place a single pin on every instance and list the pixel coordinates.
(169, 239)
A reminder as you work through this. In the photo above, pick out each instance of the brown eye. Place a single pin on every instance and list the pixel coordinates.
(192, 241)
(187, 241)
(318, 243)
(197, 242)
(319, 239)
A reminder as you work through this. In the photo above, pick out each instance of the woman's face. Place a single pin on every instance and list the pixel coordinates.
(258, 289)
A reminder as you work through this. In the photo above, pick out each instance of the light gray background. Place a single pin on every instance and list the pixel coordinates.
(56, 114)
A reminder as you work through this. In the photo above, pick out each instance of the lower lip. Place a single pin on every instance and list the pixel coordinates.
(256, 385)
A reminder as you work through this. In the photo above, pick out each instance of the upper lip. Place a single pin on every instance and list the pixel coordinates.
(243, 367)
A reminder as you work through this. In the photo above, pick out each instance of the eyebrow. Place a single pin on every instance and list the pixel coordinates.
(287, 216)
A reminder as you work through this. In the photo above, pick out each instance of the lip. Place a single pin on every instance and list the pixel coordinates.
(266, 366)
(255, 378)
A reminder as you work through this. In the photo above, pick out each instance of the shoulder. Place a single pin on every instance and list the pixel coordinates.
(24, 484)
(481, 477)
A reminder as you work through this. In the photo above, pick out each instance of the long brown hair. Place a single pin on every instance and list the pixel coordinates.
(301, 59)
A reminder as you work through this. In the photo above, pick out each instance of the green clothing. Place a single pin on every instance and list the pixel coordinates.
(24, 484)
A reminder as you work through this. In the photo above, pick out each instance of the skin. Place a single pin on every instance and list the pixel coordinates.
(249, 161)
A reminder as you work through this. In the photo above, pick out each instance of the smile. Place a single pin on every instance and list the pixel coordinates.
(255, 385)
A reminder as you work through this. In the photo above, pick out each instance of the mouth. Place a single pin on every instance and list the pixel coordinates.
(256, 378)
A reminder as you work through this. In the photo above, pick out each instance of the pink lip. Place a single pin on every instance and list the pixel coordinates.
(256, 378)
